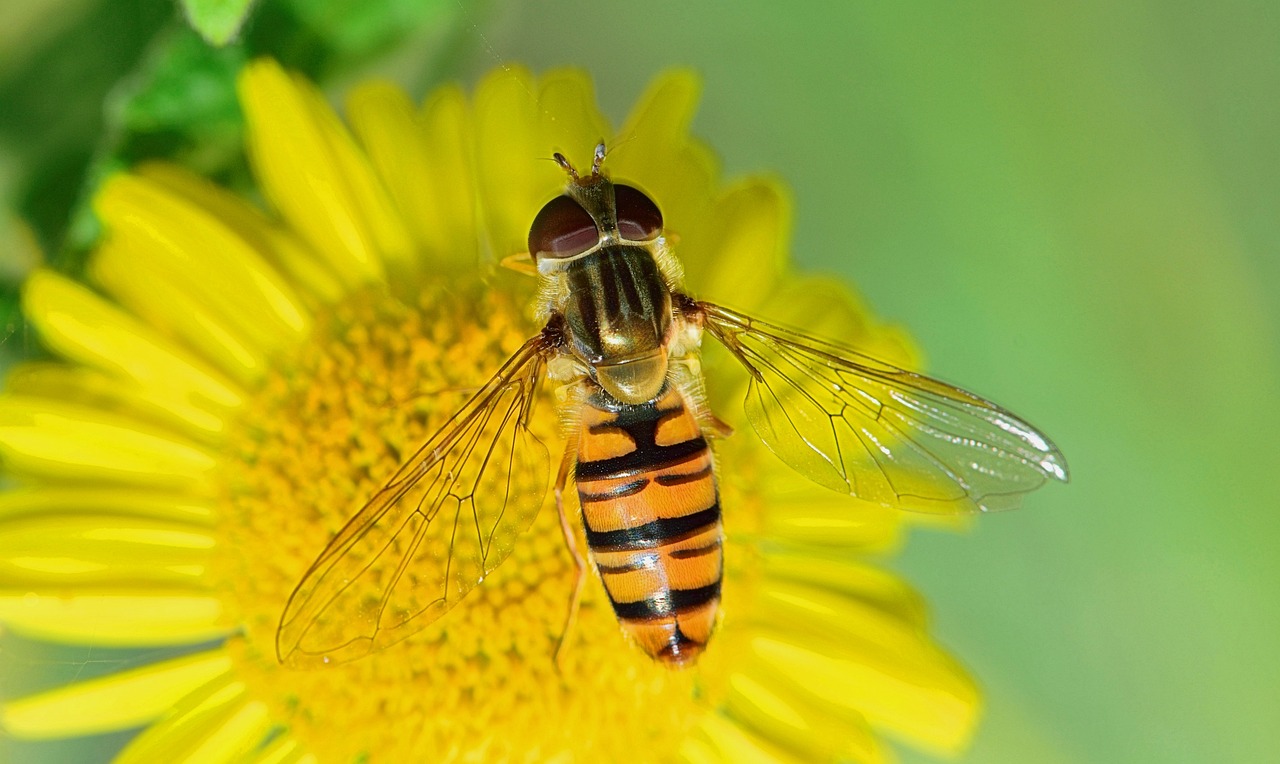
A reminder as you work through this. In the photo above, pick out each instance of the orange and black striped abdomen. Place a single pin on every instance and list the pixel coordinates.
(652, 515)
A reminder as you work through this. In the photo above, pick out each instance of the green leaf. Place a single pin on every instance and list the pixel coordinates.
(179, 105)
(332, 39)
(169, 93)
(52, 120)
(359, 26)
(218, 21)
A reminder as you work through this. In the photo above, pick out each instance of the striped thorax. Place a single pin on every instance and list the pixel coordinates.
(600, 248)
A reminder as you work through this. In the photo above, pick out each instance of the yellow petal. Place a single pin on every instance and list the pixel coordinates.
(731, 743)
(115, 702)
(310, 271)
(520, 123)
(98, 500)
(829, 524)
(394, 244)
(137, 617)
(69, 550)
(62, 440)
(803, 512)
(658, 126)
(386, 123)
(511, 187)
(228, 733)
(862, 628)
(927, 699)
(283, 750)
(235, 738)
(654, 151)
(883, 589)
(230, 210)
(113, 393)
(795, 725)
(569, 120)
(187, 722)
(310, 168)
(696, 750)
(202, 255)
(156, 300)
(279, 246)
(80, 326)
(749, 231)
(384, 120)
(827, 308)
(452, 215)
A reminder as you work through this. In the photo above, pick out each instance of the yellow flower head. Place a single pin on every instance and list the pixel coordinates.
(236, 383)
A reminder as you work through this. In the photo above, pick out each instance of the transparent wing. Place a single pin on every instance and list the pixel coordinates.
(449, 516)
(872, 430)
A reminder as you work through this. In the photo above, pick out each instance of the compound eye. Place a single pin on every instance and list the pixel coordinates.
(562, 229)
(638, 217)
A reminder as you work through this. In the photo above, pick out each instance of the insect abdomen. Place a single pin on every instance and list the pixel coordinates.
(652, 515)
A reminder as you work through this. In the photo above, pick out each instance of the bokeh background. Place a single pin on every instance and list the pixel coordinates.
(1073, 207)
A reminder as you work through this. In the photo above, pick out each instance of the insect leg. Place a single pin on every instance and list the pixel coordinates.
(580, 565)
(719, 427)
(520, 262)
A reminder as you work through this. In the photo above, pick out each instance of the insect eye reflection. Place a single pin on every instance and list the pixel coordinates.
(638, 217)
(562, 229)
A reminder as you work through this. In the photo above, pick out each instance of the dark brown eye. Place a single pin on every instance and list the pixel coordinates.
(562, 229)
(638, 217)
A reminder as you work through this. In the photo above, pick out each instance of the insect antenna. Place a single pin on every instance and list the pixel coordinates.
(564, 162)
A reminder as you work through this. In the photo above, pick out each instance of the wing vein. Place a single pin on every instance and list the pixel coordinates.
(395, 566)
(921, 444)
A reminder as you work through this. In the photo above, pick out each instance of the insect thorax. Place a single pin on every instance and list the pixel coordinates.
(617, 312)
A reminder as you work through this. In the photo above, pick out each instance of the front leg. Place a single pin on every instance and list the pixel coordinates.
(570, 540)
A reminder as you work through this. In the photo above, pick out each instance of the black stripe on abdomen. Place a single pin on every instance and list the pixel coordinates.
(666, 604)
(647, 457)
(639, 423)
(682, 478)
(618, 492)
(654, 534)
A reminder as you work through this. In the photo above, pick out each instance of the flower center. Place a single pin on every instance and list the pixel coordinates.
(323, 432)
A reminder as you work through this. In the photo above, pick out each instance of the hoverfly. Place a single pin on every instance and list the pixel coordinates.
(625, 341)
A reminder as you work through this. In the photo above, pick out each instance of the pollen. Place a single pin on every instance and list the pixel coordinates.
(324, 432)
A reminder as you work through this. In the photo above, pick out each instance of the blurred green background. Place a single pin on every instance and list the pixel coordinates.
(1072, 206)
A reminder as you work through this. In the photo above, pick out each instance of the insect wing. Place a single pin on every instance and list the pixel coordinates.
(872, 430)
(449, 516)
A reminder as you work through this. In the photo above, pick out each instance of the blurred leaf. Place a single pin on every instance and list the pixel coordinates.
(19, 255)
(329, 37)
(179, 105)
(357, 25)
(53, 119)
(129, 81)
(217, 21)
(50, 124)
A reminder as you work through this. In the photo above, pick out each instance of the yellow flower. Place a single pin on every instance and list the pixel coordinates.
(235, 384)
